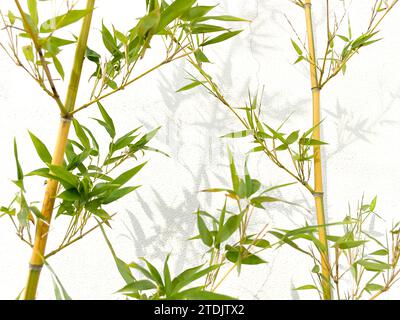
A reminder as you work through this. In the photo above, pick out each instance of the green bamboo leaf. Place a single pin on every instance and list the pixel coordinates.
(192, 85)
(206, 28)
(20, 174)
(284, 239)
(200, 56)
(292, 137)
(173, 11)
(349, 244)
(11, 17)
(59, 67)
(372, 206)
(63, 20)
(108, 40)
(128, 175)
(196, 12)
(190, 275)
(223, 37)
(205, 234)
(64, 176)
(139, 285)
(41, 149)
(32, 7)
(311, 142)
(61, 294)
(70, 195)
(296, 47)
(80, 133)
(306, 287)
(167, 277)
(243, 256)
(259, 201)
(230, 226)
(224, 18)
(234, 175)
(154, 272)
(145, 139)
(142, 270)
(382, 252)
(124, 141)
(373, 287)
(123, 267)
(28, 53)
(108, 120)
(374, 265)
(118, 194)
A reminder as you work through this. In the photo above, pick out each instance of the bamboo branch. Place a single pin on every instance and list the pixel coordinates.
(63, 246)
(38, 48)
(126, 84)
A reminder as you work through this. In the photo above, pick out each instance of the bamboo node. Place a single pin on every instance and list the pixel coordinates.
(35, 267)
(316, 88)
(318, 194)
(66, 118)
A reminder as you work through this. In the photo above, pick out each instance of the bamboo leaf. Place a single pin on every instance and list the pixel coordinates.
(63, 20)
(231, 225)
(154, 272)
(128, 175)
(223, 37)
(234, 175)
(32, 7)
(59, 67)
(173, 11)
(80, 133)
(196, 12)
(20, 174)
(28, 53)
(307, 287)
(41, 148)
(374, 265)
(259, 201)
(296, 47)
(192, 85)
(224, 18)
(118, 194)
(123, 268)
(108, 120)
(205, 234)
(139, 285)
(62, 175)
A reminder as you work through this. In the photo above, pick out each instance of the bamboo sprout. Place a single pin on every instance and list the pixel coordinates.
(318, 174)
(38, 253)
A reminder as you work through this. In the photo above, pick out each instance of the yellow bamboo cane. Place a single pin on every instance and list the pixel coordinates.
(42, 229)
(318, 192)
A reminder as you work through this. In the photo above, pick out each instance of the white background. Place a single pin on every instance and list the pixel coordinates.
(361, 125)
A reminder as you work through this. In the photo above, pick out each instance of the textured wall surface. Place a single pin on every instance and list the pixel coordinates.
(362, 118)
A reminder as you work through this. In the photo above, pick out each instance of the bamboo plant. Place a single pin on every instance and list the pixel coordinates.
(304, 148)
(79, 177)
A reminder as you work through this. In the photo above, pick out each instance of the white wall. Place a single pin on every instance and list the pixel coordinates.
(362, 126)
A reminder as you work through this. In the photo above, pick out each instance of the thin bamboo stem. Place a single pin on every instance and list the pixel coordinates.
(318, 174)
(38, 48)
(42, 229)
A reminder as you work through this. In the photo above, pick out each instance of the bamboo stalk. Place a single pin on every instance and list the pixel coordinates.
(42, 229)
(318, 174)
